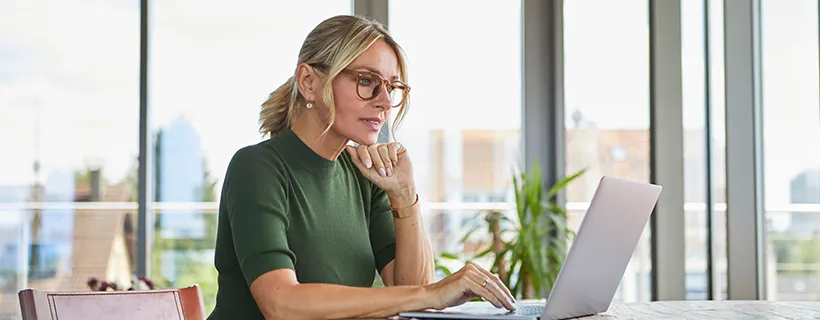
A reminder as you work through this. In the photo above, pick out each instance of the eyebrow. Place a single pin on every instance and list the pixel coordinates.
(375, 71)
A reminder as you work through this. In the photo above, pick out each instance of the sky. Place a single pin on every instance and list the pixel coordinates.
(69, 83)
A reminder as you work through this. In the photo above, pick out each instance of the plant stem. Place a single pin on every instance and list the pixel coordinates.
(498, 245)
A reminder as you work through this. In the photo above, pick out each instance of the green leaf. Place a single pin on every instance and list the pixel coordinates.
(518, 288)
(468, 234)
(449, 256)
(562, 184)
(444, 270)
(535, 260)
(483, 253)
(515, 258)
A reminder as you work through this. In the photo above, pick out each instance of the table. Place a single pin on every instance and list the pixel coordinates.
(733, 309)
(728, 310)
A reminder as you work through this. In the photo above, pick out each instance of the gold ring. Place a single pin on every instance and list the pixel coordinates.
(485, 282)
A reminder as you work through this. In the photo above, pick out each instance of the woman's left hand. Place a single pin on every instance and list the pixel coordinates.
(387, 165)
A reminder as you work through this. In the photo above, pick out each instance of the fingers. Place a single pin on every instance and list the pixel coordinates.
(378, 163)
(384, 154)
(382, 158)
(401, 149)
(484, 291)
(393, 152)
(489, 288)
(364, 156)
(494, 278)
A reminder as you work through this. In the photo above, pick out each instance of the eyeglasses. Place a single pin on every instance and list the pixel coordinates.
(369, 85)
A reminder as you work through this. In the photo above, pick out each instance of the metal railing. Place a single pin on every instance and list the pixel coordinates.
(433, 206)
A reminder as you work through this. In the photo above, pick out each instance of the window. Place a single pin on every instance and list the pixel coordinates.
(701, 172)
(607, 110)
(694, 144)
(212, 64)
(791, 158)
(463, 135)
(717, 110)
(68, 139)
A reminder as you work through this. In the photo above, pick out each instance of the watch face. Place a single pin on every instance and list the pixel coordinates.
(400, 215)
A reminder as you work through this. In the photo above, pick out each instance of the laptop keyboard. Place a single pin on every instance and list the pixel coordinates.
(529, 310)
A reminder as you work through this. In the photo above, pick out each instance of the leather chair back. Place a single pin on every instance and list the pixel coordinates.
(173, 304)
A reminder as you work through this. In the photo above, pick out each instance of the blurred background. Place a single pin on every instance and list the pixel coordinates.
(70, 108)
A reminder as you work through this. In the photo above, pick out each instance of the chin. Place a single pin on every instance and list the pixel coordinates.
(365, 139)
(370, 139)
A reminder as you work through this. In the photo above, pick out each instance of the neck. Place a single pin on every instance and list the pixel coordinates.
(309, 128)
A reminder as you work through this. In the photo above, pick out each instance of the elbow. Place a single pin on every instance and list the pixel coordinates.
(275, 294)
(277, 309)
(273, 310)
(278, 306)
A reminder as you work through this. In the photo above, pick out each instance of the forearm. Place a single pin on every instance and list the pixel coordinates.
(328, 301)
(414, 255)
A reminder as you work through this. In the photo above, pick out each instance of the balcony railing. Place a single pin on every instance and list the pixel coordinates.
(432, 206)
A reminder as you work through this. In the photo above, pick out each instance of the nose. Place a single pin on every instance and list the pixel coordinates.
(382, 100)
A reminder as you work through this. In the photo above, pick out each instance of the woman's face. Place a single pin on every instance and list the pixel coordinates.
(358, 119)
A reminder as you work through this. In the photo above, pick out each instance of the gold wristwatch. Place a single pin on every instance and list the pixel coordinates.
(405, 212)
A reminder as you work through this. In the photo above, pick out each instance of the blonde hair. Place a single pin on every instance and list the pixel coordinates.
(334, 43)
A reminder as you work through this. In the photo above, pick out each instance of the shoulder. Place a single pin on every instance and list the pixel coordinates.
(255, 160)
(254, 171)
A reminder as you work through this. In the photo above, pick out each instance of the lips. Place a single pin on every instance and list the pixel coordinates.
(374, 124)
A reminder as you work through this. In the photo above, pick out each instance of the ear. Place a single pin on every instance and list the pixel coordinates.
(307, 80)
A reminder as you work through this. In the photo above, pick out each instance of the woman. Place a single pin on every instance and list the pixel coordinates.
(306, 220)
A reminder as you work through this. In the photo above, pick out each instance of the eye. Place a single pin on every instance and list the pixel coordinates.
(366, 80)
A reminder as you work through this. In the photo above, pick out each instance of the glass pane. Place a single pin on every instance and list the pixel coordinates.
(464, 141)
(607, 106)
(694, 148)
(697, 168)
(212, 64)
(68, 143)
(791, 156)
(718, 146)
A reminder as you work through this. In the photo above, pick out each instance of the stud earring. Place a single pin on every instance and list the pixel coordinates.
(309, 105)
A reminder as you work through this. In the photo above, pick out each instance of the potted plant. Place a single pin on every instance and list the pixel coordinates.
(528, 253)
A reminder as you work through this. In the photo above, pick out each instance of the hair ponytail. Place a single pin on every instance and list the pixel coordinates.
(277, 112)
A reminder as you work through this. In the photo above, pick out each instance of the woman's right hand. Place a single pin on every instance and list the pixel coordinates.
(470, 282)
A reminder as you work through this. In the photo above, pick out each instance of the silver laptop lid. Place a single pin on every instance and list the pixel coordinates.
(606, 239)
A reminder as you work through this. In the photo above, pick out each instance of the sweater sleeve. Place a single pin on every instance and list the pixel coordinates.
(258, 212)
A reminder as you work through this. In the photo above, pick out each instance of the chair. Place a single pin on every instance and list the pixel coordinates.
(176, 304)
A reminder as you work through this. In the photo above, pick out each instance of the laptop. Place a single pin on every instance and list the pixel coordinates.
(595, 263)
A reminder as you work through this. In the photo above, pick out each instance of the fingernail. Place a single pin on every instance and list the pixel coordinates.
(382, 172)
(368, 163)
(389, 172)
